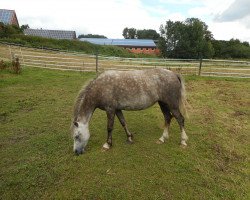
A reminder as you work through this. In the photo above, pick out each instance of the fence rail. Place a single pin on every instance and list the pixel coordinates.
(65, 60)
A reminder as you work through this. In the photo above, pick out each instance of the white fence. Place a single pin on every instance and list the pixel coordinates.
(63, 60)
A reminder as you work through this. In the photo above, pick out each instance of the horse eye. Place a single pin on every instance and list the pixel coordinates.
(76, 124)
(77, 137)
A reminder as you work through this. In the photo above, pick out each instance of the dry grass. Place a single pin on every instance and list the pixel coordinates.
(64, 60)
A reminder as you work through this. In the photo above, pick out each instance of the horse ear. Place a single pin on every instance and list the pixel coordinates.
(76, 124)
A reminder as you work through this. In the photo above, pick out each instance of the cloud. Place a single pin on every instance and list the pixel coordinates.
(180, 2)
(110, 17)
(107, 18)
(238, 10)
(229, 30)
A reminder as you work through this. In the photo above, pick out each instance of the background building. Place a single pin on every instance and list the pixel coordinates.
(8, 17)
(133, 45)
(55, 34)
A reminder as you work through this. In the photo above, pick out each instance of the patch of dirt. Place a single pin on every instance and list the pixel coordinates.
(225, 158)
(27, 105)
(239, 113)
(207, 115)
(3, 117)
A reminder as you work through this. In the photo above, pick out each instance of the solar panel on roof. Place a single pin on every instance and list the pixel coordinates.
(6, 16)
(56, 34)
(121, 42)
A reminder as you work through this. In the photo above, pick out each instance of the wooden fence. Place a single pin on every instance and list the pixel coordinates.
(64, 60)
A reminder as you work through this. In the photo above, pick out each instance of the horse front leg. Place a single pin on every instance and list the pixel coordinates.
(110, 125)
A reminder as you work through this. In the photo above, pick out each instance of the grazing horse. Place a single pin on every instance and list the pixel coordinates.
(114, 91)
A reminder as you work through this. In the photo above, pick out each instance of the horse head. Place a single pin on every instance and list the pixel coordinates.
(80, 132)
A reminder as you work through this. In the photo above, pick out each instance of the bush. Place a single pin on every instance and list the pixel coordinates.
(8, 30)
(13, 66)
(16, 67)
(4, 65)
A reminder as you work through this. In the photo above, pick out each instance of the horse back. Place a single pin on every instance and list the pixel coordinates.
(134, 90)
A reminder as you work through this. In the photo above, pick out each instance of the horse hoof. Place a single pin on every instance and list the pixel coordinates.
(104, 149)
(183, 144)
(159, 142)
(130, 142)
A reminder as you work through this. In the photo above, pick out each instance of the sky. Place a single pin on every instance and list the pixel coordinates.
(226, 19)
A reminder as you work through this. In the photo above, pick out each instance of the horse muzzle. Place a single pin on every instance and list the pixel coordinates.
(78, 151)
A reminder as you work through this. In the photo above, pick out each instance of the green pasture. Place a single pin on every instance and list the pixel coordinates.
(36, 148)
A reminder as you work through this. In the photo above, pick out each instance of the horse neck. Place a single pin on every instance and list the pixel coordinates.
(85, 113)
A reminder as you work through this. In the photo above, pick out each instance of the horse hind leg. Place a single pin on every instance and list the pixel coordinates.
(121, 118)
(167, 117)
(180, 119)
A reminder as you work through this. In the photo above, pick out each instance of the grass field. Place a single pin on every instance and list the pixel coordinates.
(37, 160)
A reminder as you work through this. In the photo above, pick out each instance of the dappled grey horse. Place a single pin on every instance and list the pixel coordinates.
(114, 91)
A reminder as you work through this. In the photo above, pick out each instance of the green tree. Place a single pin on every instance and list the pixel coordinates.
(171, 33)
(129, 33)
(233, 48)
(148, 34)
(125, 33)
(188, 39)
(132, 33)
(163, 47)
(25, 26)
(245, 43)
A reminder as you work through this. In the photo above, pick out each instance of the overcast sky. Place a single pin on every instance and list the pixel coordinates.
(226, 19)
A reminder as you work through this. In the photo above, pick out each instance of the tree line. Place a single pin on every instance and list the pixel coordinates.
(132, 33)
(190, 39)
(180, 39)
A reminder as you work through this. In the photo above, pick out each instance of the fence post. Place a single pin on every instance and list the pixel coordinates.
(200, 65)
(96, 61)
(11, 55)
(22, 55)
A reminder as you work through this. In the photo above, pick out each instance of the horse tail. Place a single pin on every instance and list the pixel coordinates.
(183, 99)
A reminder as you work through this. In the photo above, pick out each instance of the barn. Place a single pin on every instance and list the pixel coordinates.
(8, 17)
(145, 46)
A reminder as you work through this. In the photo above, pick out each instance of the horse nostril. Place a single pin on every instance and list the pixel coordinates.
(78, 152)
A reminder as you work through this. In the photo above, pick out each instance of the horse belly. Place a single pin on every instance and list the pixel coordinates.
(138, 102)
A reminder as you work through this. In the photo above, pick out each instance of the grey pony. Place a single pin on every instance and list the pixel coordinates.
(114, 91)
